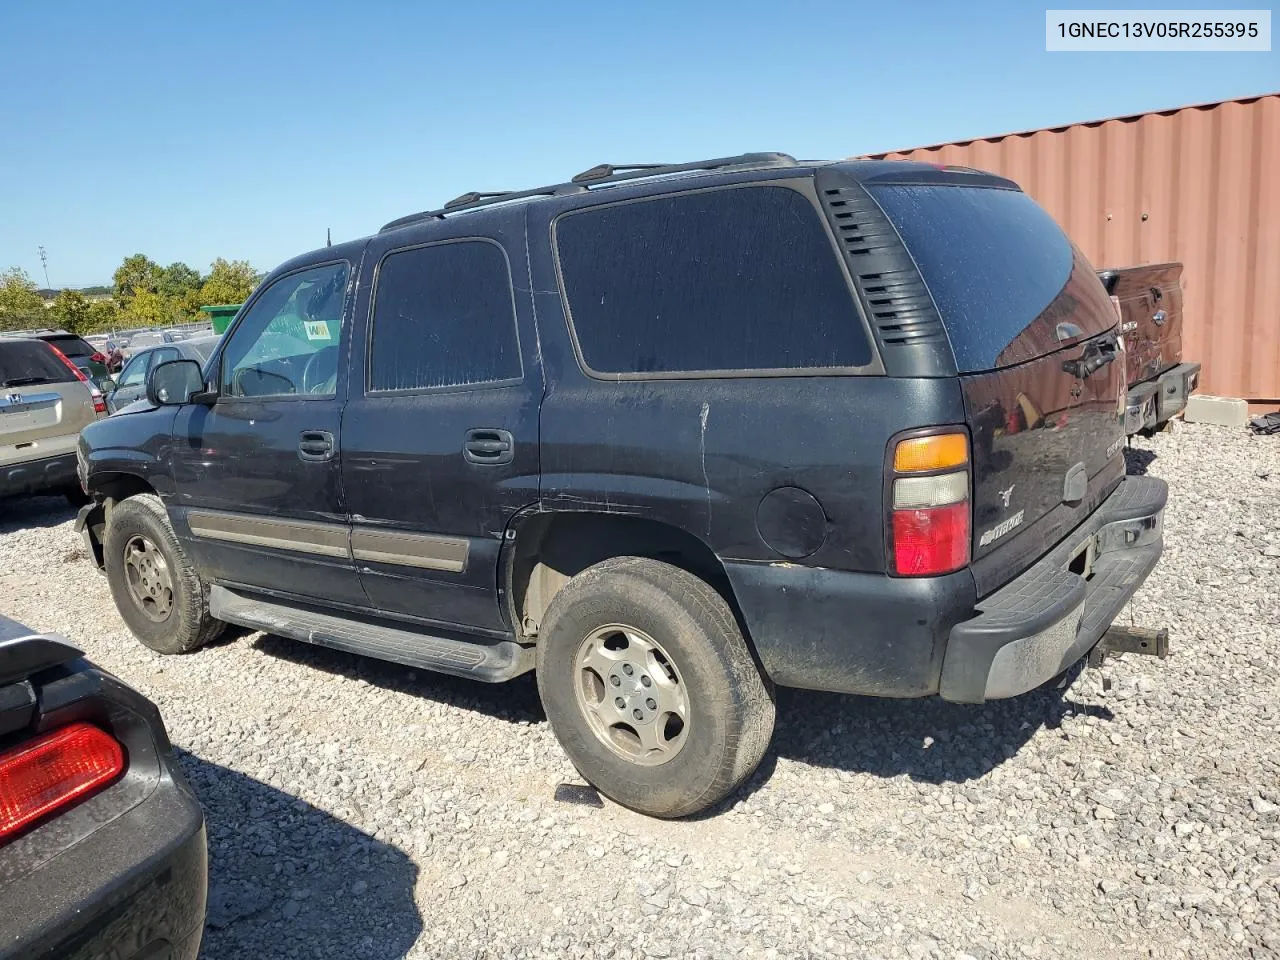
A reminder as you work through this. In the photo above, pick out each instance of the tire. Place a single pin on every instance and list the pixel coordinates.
(727, 704)
(176, 620)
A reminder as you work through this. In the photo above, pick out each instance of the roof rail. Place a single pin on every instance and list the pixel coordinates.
(597, 175)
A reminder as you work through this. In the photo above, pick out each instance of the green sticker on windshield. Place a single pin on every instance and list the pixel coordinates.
(316, 329)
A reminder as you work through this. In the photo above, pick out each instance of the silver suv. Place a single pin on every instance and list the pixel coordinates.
(44, 402)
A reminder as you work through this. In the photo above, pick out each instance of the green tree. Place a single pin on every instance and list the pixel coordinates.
(228, 282)
(146, 308)
(177, 280)
(138, 272)
(70, 311)
(104, 315)
(20, 304)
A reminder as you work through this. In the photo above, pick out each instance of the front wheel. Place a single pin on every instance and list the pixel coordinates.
(650, 687)
(157, 591)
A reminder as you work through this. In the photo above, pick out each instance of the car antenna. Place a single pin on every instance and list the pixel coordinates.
(328, 236)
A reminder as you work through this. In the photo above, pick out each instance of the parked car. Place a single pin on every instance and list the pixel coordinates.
(131, 384)
(45, 400)
(90, 359)
(1149, 299)
(147, 338)
(671, 435)
(102, 842)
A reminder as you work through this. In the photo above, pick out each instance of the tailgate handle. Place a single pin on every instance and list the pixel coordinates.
(1096, 355)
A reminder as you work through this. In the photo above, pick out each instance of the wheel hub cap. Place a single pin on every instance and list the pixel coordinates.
(632, 695)
(147, 574)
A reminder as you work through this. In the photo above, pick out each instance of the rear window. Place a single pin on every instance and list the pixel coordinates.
(727, 280)
(29, 363)
(995, 262)
(72, 346)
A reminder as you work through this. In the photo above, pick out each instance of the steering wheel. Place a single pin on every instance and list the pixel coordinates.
(320, 375)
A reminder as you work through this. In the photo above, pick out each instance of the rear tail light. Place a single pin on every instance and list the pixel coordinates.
(53, 772)
(99, 401)
(929, 517)
(97, 357)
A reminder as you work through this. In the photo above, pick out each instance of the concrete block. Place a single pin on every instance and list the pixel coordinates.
(1222, 411)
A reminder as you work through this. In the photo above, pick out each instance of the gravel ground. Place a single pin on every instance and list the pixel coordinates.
(357, 809)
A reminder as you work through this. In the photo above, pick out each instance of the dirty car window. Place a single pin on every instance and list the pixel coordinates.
(739, 279)
(443, 316)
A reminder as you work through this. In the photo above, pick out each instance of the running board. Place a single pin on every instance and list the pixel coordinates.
(491, 662)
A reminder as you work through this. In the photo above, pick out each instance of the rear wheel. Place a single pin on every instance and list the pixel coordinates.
(650, 687)
(156, 589)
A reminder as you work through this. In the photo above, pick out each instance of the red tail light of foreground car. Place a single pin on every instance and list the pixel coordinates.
(53, 772)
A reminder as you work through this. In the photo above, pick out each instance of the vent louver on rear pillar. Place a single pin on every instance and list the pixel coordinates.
(897, 303)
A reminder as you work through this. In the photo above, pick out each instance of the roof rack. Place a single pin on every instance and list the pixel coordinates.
(597, 175)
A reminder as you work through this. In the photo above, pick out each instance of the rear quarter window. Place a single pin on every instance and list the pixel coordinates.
(732, 280)
(998, 268)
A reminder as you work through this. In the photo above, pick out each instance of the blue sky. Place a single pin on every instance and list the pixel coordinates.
(193, 130)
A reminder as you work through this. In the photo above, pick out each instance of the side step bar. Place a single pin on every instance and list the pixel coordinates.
(491, 662)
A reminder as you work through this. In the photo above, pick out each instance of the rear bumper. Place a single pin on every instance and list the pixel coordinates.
(124, 873)
(37, 476)
(1155, 401)
(1049, 617)
(134, 889)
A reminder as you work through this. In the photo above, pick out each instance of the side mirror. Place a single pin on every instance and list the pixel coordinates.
(174, 382)
(108, 384)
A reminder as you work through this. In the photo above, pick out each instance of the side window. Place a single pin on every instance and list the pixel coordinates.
(737, 279)
(443, 316)
(164, 356)
(287, 342)
(135, 372)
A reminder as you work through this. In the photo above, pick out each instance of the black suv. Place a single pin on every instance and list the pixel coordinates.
(668, 435)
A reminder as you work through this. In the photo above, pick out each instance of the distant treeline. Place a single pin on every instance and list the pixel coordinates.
(142, 294)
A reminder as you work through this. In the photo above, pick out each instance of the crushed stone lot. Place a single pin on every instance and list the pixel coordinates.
(359, 809)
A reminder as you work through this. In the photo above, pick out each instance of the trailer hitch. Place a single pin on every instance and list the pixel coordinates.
(1117, 640)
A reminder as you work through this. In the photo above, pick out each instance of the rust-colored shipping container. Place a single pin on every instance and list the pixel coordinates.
(1198, 184)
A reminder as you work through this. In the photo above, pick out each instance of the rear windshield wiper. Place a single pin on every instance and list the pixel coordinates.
(23, 382)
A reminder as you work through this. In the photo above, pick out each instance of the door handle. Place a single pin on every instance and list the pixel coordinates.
(484, 446)
(315, 445)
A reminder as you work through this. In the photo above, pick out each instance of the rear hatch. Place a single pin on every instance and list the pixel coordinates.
(1150, 299)
(1041, 368)
(43, 405)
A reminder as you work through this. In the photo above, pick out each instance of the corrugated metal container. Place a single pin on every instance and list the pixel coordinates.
(1198, 184)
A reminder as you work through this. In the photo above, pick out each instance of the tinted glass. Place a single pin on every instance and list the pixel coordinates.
(741, 279)
(201, 351)
(994, 261)
(31, 362)
(71, 346)
(287, 342)
(443, 316)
